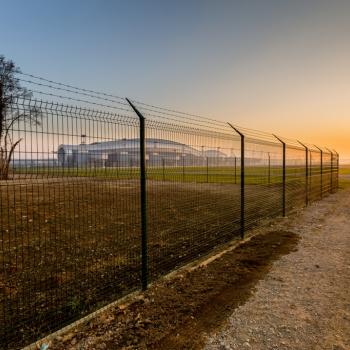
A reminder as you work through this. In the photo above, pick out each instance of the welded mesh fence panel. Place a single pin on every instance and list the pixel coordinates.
(263, 178)
(326, 172)
(69, 218)
(295, 177)
(193, 195)
(335, 171)
(315, 189)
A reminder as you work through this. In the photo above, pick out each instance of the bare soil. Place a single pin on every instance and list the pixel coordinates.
(287, 288)
(71, 245)
(175, 313)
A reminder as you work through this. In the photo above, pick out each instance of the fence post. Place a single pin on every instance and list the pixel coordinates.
(163, 167)
(332, 159)
(207, 170)
(183, 167)
(235, 170)
(242, 180)
(321, 170)
(144, 253)
(283, 175)
(269, 172)
(306, 173)
(311, 172)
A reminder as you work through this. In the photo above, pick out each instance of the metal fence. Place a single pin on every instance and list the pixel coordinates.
(98, 204)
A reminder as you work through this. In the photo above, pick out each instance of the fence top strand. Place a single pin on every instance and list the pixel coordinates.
(167, 116)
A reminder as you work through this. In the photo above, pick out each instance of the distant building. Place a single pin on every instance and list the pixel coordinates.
(214, 153)
(126, 153)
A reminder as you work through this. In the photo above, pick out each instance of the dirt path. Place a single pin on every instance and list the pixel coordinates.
(304, 301)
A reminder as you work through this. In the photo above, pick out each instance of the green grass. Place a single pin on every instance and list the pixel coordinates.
(253, 175)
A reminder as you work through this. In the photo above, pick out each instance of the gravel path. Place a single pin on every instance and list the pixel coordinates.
(304, 301)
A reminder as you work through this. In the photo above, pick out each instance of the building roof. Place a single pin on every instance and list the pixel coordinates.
(151, 144)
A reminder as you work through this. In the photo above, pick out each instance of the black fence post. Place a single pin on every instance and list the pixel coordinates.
(235, 170)
(311, 172)
(183, 167)
(321, 170)
(332, 167)
(283, 175)
(163, 167)
(306, 174)
(207, 170)
(242, 180)
(269, 171)
(337, 169)
(144, 253)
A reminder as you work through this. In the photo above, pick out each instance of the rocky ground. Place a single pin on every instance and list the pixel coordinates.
(304, 301)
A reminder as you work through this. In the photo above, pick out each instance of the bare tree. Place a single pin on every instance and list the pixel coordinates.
(10, 91)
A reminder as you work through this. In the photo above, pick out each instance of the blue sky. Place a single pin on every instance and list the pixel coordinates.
(279, 66)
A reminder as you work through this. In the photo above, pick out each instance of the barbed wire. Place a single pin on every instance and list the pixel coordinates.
(72, 91)
(162, 112)
(82, 91)
(118, 97)
(123, 109)
(71, 86)
(109, 100)
(77, 100)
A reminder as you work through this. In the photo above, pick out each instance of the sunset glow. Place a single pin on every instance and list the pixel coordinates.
(280, 66)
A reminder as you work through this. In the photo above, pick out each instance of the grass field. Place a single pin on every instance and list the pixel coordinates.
(253, 174)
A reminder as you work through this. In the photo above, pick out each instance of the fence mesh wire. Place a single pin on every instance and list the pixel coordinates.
(192, 191)
(315, 184)
(326, 171)
(263, 177)
(296, 195)
(70, 221)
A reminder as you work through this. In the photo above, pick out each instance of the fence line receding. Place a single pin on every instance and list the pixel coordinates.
(82, 224)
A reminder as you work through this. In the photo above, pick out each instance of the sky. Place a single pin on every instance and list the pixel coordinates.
(279, 66)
